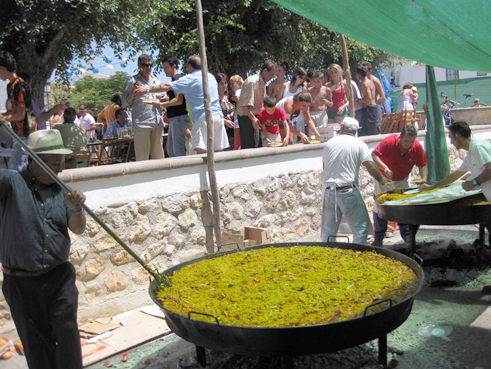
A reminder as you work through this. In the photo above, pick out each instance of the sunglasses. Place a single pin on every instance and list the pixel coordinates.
(146, 65)
(300, 77)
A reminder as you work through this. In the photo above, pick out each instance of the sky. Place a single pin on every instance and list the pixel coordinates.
(101, 64)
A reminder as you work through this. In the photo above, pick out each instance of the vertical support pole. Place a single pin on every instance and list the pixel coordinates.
(210, 152)
(382, 350)
(201, 356)
(347, 73)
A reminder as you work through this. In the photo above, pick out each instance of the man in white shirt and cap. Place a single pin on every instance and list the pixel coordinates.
(342, 157)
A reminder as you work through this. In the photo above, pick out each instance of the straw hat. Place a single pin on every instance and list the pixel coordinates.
(47, 141)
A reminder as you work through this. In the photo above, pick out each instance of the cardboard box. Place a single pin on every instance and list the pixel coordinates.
(249, 236)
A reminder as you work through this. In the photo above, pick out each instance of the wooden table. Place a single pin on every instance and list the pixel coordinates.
(110, 150)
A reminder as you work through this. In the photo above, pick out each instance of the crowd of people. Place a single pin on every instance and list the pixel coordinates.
(310, 101)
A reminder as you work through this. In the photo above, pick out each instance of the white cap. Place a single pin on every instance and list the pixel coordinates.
(351, 123)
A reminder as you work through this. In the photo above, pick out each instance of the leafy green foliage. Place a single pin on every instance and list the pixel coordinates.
(44, 35)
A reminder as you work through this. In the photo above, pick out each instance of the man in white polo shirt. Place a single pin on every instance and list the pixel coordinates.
(191, 86)
(342, 156)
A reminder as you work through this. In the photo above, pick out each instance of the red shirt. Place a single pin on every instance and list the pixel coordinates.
(272, 122)
(401, 165)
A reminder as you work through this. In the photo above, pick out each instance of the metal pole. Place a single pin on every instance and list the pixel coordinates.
(63, 185)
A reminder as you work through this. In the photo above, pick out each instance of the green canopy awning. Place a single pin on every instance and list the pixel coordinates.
(442, 33)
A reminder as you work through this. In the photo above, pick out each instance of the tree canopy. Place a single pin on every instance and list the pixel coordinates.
(240, 34)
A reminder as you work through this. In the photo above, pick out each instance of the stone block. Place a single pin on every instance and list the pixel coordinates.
(122, 257)
(93, 268)
(187, 219)
(312, 211)
(177, 239)
(288, 181)
(196, 200)
(92, 290)
(302, 227)
(289, 200)
(169, 250)
(116, 281)
(260, 187)
(78, 253)
(241, 193)
(105, 242)
(273, 184)
(253, 207)
(316, 225)
(271, 202)
(266, 221)
(152, 251)
(306, 198)
(164, 224)
(232, 211)
(198, 236)
(140, 276)
(91, 228)
(287, 234)
(175, 204)
(139, 230)
(148, 206)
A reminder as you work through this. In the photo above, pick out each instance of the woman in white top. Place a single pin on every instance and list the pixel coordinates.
(407, 98)
(295, 86)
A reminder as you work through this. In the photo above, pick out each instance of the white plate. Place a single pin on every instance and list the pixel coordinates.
(421, 198)
(411, 192)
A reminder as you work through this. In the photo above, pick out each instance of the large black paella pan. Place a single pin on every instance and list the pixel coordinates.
(299, 340)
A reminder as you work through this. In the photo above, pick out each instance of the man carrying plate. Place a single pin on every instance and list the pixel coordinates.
(396, 156)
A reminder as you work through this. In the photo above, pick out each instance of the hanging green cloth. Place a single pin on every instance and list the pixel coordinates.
(436, 143)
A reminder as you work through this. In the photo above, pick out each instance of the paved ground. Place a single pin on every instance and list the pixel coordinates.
(462, 307)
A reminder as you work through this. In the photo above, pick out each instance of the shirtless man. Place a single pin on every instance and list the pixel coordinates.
(321, 98)
(372, 114)
(378, 84)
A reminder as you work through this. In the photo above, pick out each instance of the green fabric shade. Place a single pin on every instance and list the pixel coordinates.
(436, 144)
(448, 34)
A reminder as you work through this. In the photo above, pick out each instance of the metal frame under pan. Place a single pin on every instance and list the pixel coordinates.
(294, 341)
(448, 213)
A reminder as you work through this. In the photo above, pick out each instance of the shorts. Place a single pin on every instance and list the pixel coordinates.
(199, 137)
(319, 118)
(334, 113)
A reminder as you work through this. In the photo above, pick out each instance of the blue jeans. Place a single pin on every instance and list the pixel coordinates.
(380, 226)
(351, 204)
(176, 141)
(19, 159)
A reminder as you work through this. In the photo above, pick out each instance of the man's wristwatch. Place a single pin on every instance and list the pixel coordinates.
(148, 89)
(475, 182)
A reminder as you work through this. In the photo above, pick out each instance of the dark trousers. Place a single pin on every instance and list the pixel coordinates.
(44, 310)
(380, 226)
(249, 136)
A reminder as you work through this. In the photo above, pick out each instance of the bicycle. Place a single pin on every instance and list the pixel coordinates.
(448, 104)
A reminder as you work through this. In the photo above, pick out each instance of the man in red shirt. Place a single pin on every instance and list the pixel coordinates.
(396, 156)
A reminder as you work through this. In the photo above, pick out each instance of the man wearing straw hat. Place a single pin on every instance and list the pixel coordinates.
(39, 282)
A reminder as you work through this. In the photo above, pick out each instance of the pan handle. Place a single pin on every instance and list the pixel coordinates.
(226, 244)
(376, 303)
(335, 237)
(420, 259)
(64, 186)
(210, 315)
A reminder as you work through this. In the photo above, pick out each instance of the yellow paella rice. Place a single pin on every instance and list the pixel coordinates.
(287, 286)
(399, 196)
